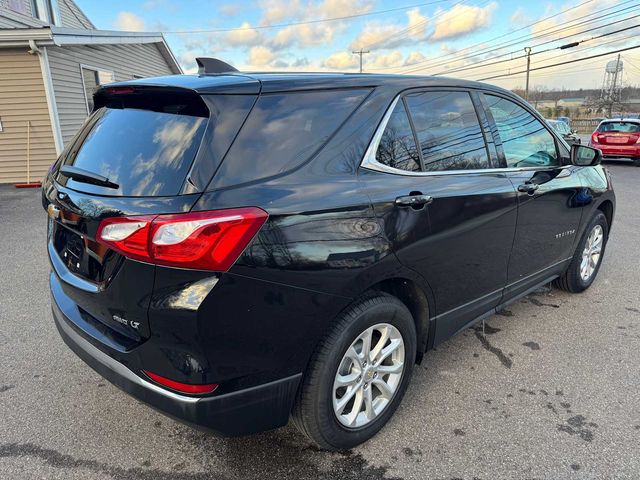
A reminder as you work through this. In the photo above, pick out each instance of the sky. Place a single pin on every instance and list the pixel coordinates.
(450, 37)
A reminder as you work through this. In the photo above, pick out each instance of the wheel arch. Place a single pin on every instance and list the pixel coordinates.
(606, 207)
(419, 301)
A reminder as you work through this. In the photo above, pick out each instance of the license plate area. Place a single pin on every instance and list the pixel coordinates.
(83, 256)
(617, 140)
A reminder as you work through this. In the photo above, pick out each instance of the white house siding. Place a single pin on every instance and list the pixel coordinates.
(22, 100)
(126, 61)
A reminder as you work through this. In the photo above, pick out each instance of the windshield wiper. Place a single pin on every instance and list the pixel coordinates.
(81, 175)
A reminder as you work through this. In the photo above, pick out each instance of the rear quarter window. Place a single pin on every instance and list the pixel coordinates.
(283, 131)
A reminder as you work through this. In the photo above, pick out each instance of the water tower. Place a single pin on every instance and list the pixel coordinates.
(612, 83)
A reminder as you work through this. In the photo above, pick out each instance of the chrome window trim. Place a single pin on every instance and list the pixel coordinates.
(369, 161)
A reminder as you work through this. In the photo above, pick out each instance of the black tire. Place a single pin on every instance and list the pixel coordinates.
(636, 162)
(313, 412)
(571, 280)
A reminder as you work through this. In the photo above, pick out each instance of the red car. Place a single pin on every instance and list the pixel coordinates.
(618, 138)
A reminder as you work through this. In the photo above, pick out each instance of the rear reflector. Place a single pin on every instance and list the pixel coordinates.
(188, 388)
(210, 240)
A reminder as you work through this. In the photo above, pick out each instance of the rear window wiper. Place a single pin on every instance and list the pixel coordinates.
(81, 175)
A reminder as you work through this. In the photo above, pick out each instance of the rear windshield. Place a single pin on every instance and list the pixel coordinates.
(144, 143)
(620, 127)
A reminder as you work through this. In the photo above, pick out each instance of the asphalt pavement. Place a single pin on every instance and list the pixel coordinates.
(552, 390)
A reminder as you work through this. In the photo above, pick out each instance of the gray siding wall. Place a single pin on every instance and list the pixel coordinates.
(23, 6)
(126, 61)
(72, 16)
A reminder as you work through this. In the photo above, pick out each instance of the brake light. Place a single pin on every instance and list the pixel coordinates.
(120, 90)
(594, 137)
(188, 388)
(210, 240)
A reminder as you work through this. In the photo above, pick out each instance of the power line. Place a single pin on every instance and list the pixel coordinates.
(502, 36)
(484, 63)
(304, 22)
(562, 63)
(572, 52)
(554, 29)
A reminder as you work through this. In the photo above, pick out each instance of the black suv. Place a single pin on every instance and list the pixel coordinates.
(237, 249)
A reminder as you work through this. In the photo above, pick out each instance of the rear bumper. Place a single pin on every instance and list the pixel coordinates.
(618, 151)
(242, 412)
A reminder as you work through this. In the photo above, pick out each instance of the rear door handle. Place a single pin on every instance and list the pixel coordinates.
(529, 188)
(416, 202)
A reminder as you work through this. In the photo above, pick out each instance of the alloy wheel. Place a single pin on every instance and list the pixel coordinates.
(368, 375)
(591, 253)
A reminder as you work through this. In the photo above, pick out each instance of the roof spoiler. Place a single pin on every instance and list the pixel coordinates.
(213, 65)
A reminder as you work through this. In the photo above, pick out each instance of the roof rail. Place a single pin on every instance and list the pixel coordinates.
(213, 65)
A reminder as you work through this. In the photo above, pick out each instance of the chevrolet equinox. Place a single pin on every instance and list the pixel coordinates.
(239, 249)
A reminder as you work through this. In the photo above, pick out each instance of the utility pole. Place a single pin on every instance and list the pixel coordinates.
(612, 92)
(360, 52)
(527, 50)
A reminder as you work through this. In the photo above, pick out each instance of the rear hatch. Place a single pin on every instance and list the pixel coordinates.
(144, 151)
(617, 134)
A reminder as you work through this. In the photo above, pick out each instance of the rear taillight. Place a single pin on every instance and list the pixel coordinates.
(210, 240)
(189, 388)
(594, 137)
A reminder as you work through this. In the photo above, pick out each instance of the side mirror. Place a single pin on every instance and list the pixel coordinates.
(583, 156)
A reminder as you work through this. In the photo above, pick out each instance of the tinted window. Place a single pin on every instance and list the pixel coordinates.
(621, 127)
(525, 140)
(397, 146)
(284, 130)
(145, 152)
(448, 131)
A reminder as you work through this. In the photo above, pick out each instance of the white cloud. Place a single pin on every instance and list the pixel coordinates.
(414, 57)
(340, 61)
(245, 35)
(520, 17)
(129, 22)
(580, 11)
(230, 9)
(275, 11)
(390, 35)
(392, 59)
(260, 56)
(303, 35)
(309, 34)
(462, 20)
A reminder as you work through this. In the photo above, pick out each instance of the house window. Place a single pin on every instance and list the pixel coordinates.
(47, 11)
(92, 78)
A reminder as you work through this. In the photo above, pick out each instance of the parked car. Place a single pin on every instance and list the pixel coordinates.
(565, 131)
(566, 120)
(618, 139)
(237, 249)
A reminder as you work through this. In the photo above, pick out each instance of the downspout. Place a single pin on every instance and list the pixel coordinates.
(49, 93)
